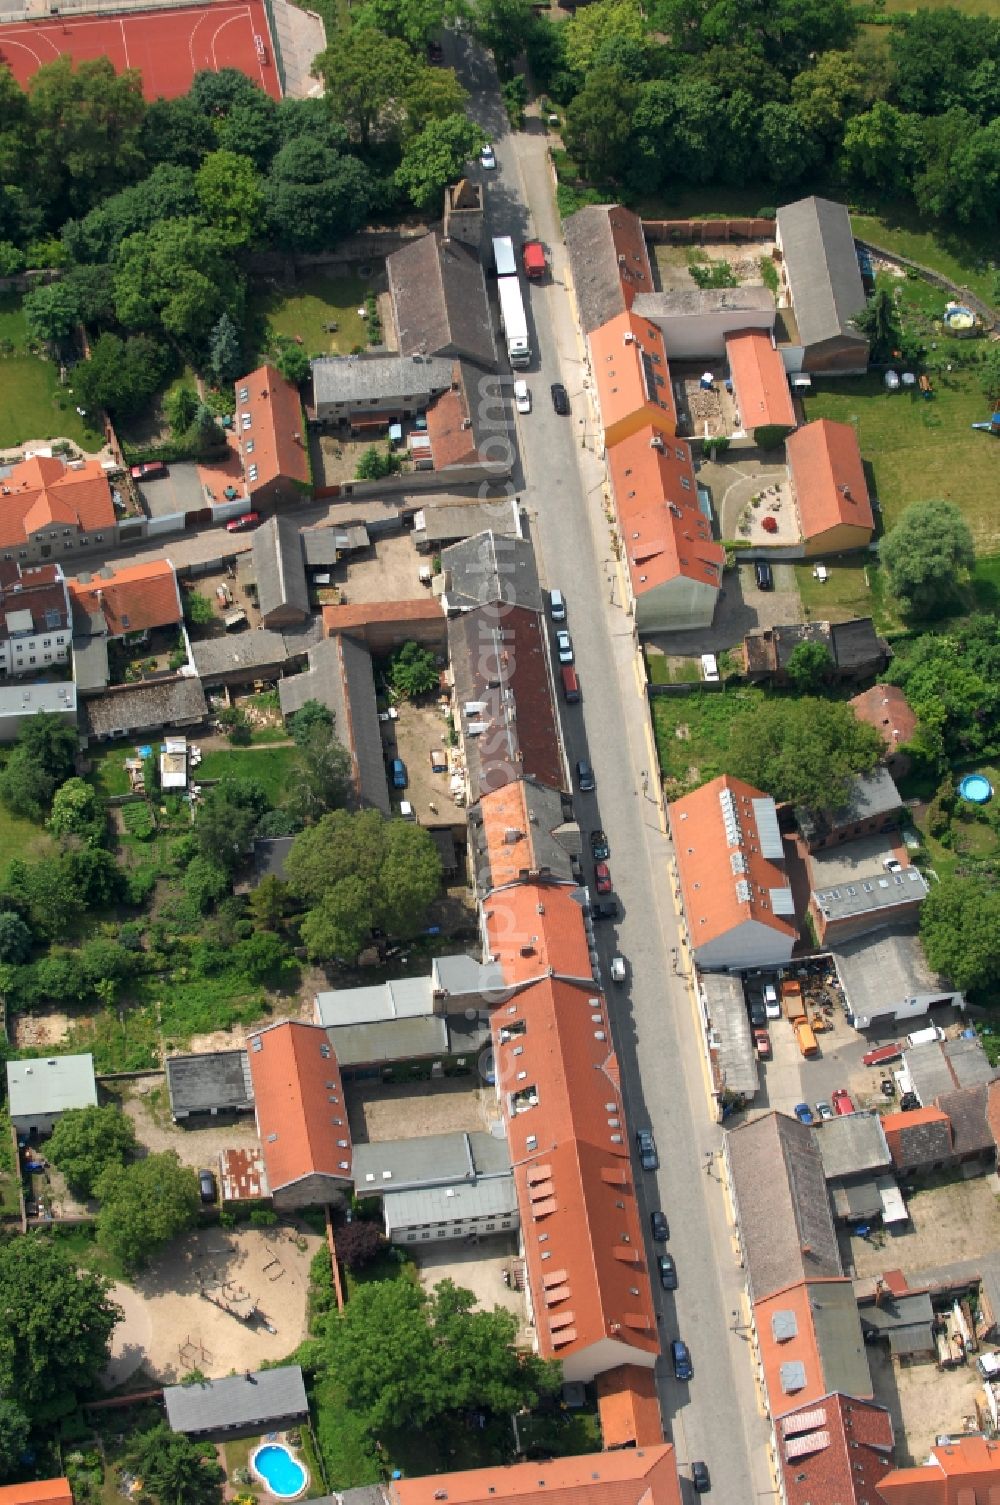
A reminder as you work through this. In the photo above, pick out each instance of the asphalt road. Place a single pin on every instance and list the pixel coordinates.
(716, 1417)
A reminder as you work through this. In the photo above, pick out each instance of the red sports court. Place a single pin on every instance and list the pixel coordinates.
(167, 46)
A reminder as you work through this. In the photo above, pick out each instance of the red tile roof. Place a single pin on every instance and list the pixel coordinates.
(536, 930)
(896, 1127)
(512, 840)
(631, 1476)
(40, 1492)
(829, 478)
(301, 1118)
(135, 598)
(665, 534)
(834, 1451)
(276, 430)
(760, 379)
(631, 253)
(582, 1234)
(965, 1471)
(628, 1406)
(356, 616)
(629, 361)
(42, 494)
(40, 591)
(453, 439)
(887, 709)
(704, 853)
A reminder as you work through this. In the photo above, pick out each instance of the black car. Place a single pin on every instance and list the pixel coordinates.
(909, 1102)
(585, 776)
(758, 1013)
(765, 577)
(700, 1477)
(681, 1356)
(600, 850)
(648, 1158)
(604, 909)
(560, 398)
(207, 1187)
(659, 1227)
(668, 1272)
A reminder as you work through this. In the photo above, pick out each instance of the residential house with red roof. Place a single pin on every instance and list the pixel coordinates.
(302, 1122)
(628, 361)
(961, 1471)
(831, 493)
(130, 600)
(887, 709)
(271, 433)
(760, 381)
(49, 509)
(738, 909)
(519, 833)
(35, 625)
(674, 566)
(646, 1475)
(38, 1492)
(629, 1407)
(810, 1344)
(835, 1452)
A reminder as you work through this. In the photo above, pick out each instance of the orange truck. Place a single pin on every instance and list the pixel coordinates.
(792, 1000)
(804, 1037)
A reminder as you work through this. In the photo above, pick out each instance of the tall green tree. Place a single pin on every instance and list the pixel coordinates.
(85, 121)
(15, 1435)
(15, 938)
(316, 195)
(323, 775)
(805, 750)
(231, 196)
(174, 1470)
(413, 671)
(436, 156)
(809, 664)
(366, 77)
(960, 931)
(144, 1206)
(927, 555)
(178, 275)
(76, 811)
(85, 1141)
(225, 352)
(120, 375)
(51, 312)
(505, 27)
(56, 1333)
(41, 760)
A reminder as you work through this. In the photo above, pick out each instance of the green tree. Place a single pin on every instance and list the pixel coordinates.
(167, 193)
(434, 94)
(375, 464)
(598, 130)
(76, 811)
(51, 312)
(316, 195)
(359, 1243)
(805, 751)
(180, 275)
(96, 876)
(226, 823)
(436, 156)
(828, 93)
(11, 259)
(505, 27)
(366, 81)
(231, 196)
(198, 609)
(960, 931)
(15, 938)
(56, 1334)
(225, 351)
(47, 894)
(15, 1434)
(989, 374)
(927, 555)
(880, 146)
(339, 923)
(181, 407)
(42, 758)
(86, 124)
(205, 883)
(809, 665)
(952, 682)
(415, 21)
(413, 671)
(268, 903)
(174, 1470)
(593, 27)
(85, 1141)
(294, 364)
(311, 713)
(323, 775)
(144, 1206)
(120, 375)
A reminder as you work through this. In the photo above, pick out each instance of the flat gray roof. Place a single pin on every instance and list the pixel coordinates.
(879, 972)
(852, 1144)
(445, 524)
(839, 1338)
(414, 379)
(323, 546)
(464, 977)
(50, 1084)
(942, 1066)
(494, 1197)
(239, 1400)
(728, 1018)
(429, 1160)
(389, 1040)
(91, 670)
(872, 891)
(400, 998)
(219, 1079)
(28, 698)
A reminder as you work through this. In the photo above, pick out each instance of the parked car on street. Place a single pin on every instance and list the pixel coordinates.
(585, 776)
(244, 523)
(599, 846)
(762, 1040)
(648, 1158)
(668, 1271)
(564, 647)
(207, 1187)
(681, 1358)
(604, 909)
(560, 398)
(659, 1227)
(602, 878)
(522, 397)
(618, 969)
(700, 1477)
(400, 777)
(772, 1003)
(488, 157)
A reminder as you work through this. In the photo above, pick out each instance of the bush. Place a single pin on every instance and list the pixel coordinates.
(375, 464)
(770, 435)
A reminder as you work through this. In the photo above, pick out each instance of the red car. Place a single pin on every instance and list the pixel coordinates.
(762, 1040)
(602, 878)
(150, 471)
(841, 1102)
(241, 524)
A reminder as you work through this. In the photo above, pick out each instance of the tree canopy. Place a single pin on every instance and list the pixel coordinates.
(56, 1333)
(144, 1205)
(805, 750)
(952, 682)
(926, 555)
(413, 671)
(174, 1470)
(85, 1141)
(42, 758)
(960, 931)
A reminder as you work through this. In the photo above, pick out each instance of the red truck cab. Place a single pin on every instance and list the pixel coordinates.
(533, 259)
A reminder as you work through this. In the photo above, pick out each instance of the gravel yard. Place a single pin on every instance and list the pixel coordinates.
(410, 1110)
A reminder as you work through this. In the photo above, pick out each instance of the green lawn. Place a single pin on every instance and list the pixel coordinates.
(108, 774)
(22, 838)
(32, 403)
(305, 311)
(692, 732)
(272, 767)
(962, 258)
(850, 590)
(920, 450)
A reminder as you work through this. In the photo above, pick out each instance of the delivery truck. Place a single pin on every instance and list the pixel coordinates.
(533, 260)
(514, 321)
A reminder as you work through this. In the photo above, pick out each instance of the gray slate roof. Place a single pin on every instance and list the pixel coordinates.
(970, 1129)
(869, 795)
(439, 299)
(131, 709)
(852, 1145)
(219, 1079)
(441, 1204)
(822, 266)
(364, 378)
(488, 569)
(322, 547)
(279, 568)
(247, 651)
(597, 276)
(946, 1065)
(237, 1401)
(880, 971)
(50, 1085)
(463, 977)
(400, 998)
(444, 524)
(782, 1204)
(340, 676)
(429, 1160)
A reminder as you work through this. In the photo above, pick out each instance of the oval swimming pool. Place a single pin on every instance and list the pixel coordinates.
(977, 788)
(280, 1470)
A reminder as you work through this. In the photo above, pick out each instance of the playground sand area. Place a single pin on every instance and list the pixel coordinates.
(216, 1300)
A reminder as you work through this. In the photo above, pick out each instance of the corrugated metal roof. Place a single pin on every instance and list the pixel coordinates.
(765, 815)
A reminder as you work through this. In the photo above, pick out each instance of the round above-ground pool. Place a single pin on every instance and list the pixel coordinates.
(977, 788)
(282, 1473)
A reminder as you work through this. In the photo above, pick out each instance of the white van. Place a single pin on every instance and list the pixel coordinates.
(925, 1036)
(557, 606)
(710, 668)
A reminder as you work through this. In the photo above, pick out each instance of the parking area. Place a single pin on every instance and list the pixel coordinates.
(180, 490)
(379, 1110)
(389, 571)
(741, 608)
(925, 1402)
(417, 732)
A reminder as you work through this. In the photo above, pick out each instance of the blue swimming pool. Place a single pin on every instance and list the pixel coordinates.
(280, 1470)
(977, 788)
